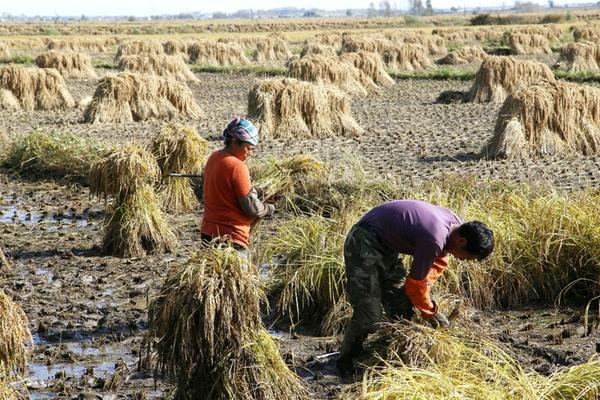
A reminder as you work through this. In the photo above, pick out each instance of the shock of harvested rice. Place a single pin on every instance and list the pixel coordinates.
(158, 64)
(69, 65)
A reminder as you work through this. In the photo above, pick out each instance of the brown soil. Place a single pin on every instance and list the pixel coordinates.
(88, 311)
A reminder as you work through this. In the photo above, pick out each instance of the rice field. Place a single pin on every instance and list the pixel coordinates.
(106, 292)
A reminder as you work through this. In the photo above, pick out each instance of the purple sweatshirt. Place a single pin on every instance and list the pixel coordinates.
(413, 227)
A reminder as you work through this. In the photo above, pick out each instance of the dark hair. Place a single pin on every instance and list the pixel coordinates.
(480, 239)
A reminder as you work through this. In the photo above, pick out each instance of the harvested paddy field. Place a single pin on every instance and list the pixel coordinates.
(533, 303)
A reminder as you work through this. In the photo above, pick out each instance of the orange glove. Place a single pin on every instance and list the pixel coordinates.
(418, 290)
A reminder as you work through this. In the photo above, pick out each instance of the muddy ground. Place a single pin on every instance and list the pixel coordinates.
(88, 311)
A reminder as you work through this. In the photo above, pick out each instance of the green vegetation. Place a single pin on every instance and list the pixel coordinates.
(18, 59)
(262, 70)
(436, 74)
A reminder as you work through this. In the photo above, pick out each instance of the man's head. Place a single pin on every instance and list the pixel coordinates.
(241, 136)
(471, 241)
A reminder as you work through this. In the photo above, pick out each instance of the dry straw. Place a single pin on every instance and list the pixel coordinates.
(15, 338)
(522, 43)
(468, 35)
(206, 332)
(8, 101)
(467, 367)
(4, 264)
(69, 65)
(435, 45)
(217, 53)
(331, 70)
(178, 149)
(272, 50)
(407, 57)
(312, 48)
(371, 64)
(579, 56)
(464, 55)
(177, 48)
(94, 45)
(158, 64)
(138, 47)
(551, 32)
(35, 88)
(288, 108)
(4, 51)
(548, 118)
(135, 223)
(129, 97)
(371, 44)
(586, 33)
(500, 76)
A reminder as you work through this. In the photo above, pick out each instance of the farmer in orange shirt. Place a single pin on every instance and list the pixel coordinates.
(231, 204)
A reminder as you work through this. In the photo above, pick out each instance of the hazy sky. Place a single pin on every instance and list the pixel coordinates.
(151, 7)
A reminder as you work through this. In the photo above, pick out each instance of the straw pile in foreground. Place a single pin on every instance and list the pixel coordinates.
(500, 76)
(135, 223)
(69, 65)
(35, 88)
(178, 149)
(206, 332)
(331, 70)
(15, 345)
(464, 55)
(548, 118)
(129, 97)
(288, 108)
(579, 56)
(158, 64)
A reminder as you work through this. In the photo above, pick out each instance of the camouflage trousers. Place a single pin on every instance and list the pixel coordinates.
(375, 282)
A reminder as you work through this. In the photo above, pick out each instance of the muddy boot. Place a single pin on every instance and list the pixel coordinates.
(349, 351)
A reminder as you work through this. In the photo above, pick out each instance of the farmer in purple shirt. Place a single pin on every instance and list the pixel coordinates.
(376, 276)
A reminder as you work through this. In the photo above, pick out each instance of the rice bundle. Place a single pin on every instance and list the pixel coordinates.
(216, 53)
(550, 32)
(4, 51)
(466, 35)
(177, 48)
(407, 57)
(579, 56)
(138, 47)
(207, 332)
(179, 149)
(548, 118)
(94, 45)
(586, 33)
(8, 101)
(35, 88)
(371, 64)
(15, 338)
(129, 97)
(521, 44)
(158, 64)
(312, 48)
(282, 178)
(471, 368)
(288, 108)
(500, 76)
(329, 70)
(328, 39)
(370, 44)
(135, 223)
(270, 49)
(69, 65)
(464, 55)
(3, 260)
(435, 45)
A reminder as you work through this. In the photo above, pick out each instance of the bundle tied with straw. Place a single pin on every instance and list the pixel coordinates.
(15, 345)
(206, 332)
(178, 149)
(135, 223)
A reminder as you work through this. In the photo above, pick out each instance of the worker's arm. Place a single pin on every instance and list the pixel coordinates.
(253, 207)
(428, 264)
(246, 195)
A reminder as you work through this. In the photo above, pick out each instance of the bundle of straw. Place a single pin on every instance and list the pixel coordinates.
(207, 332)
(4, 264)
(135, 223)
(69, 65)
(178, 149)
(15, 338)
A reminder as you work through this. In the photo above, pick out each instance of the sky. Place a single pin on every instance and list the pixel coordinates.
(154, 7)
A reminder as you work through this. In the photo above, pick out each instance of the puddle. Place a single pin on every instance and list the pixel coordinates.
(276, 333)
(40, 372)
(42, 396)
(14, 215)
(46, 272)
